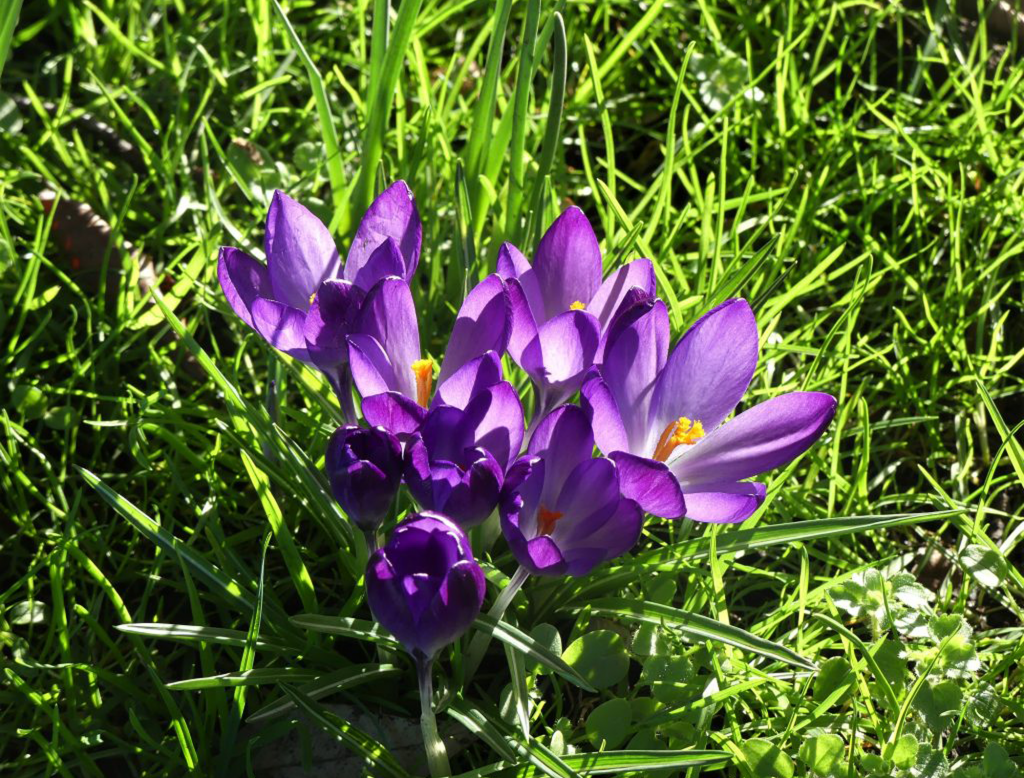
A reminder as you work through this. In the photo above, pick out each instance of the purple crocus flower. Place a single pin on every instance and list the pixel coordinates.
(304, 301)
(659, 415)
(561, 308)
(424, 585)
(364, 467)
(456, 462)
(562, 512)
(395, 381)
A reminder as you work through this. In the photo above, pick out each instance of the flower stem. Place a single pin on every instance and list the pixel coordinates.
(437, 757)
(341, 381)
(371, 541)
(481, 640)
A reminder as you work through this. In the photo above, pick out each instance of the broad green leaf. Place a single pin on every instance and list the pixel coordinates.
(670, 678)
(985, 565)
(835, 675)
(761, 758)
(599, 657)
(822, 753)
(608, 724)
(545, 636)
(903, 753)
(533, 649)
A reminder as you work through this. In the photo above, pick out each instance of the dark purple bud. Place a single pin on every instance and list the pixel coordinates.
(424, 586)
(364, 467)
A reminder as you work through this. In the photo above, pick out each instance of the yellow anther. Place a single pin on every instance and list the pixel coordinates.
(423, 369)
(546, 520)
(681, 432)
(577, 306)
(312, 297)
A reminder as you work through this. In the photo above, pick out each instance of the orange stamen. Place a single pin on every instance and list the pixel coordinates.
(577, 306)
(546, 520)
(681, 432)
(423, 369)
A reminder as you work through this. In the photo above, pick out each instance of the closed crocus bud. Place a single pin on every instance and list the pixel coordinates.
(425, 586)
(365, 469)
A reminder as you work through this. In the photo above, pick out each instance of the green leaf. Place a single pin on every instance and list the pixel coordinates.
(835, 674)
(822, 753)
(985, 565)
(670, 678)
(254, 677)
(997, 762)
(903, 753)
(346, 678)
(545, 636)
(939, 704)
(888, 655)
(360, 629)
(599, 657)
(699, 627)
(608, 724)
(761, 758)
(189, 634)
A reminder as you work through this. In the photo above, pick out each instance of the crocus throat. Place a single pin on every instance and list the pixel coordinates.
(423, 369)
(681, 432)
(546, 520)
(577, 306)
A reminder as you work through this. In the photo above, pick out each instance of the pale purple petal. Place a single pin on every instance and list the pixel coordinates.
(477, 374)
(615, 537)
(605, 419)
(567, 263)
(766, 436)
(389, 316)
(588, 496)
(561, 354)
(330, 319)
(512, 264)
(282, 327)
(385, 260)
(651, 484)
(709, 370)
(301, 252)
(372, 371)
(609, 298)
(494, 419)
(392, 215)
(243, 279)
(635, 353)
(394, 412)
(483, 324)
(524, 327)
(563, 440)
(724, 503)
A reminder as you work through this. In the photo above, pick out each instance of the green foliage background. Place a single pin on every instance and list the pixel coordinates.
(853, 169)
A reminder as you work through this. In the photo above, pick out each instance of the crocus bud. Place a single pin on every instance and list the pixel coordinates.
(424, 586)
(364, 467)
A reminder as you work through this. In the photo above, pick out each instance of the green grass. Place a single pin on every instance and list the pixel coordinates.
(852, 169)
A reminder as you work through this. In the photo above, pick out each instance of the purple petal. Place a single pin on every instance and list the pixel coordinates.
(524, 326)
(477, 374)
(483, 324)
(430, 481)
(372, 371)
(300, 252)
(385, 260)
(392, 215)
(394, 412)
(494, 420)
(605, 419)
(388, 315)
(474, 498)
(513, 265)
(634, 355)
(564, 440)
(651, 484)
(615, 537)
(282, 327)
(724, 503)
(243, 279)
(447, 433)
(454, 607)
(567, 263)
(543, 557)
(561, 354)
(766, 436)
(587, 498)
(709, 370)
(330, 319)
(610, 296)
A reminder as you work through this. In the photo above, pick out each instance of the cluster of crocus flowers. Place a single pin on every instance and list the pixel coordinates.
(657, 417)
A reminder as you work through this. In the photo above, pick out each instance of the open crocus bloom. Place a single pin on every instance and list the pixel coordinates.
(425, 586)
(561, 308)
(562, 512)
(396, 382)
(456, 462)
(303, 301)
(659, 415)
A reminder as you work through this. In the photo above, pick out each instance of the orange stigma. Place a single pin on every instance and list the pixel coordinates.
(546, 520)
(681, 432)
(577, 306)
(423, 369)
